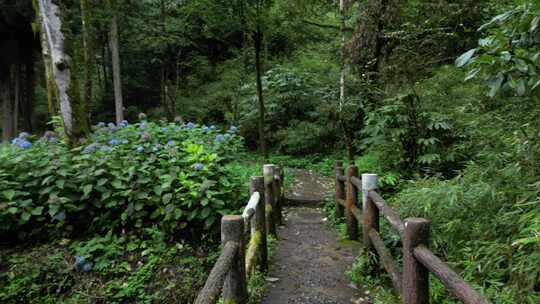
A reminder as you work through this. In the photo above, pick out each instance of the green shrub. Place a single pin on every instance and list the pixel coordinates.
(125, 177)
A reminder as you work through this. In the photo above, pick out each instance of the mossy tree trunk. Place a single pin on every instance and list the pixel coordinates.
(88, 48)
(54, 17)
(115, 60)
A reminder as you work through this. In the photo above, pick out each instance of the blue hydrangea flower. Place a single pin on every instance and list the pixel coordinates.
(101, 124)
(140, 149)
(80, 261)
(171, 143)
(111, 125)
(190, 125)
(233, 129)
(87, 267)
(198, 166)
(105, 149)
(21, 143)
(114, 142)
(143, 125)
(219, 138)
(91, 148)
(123, 123)
(24, 135)
(206, 129)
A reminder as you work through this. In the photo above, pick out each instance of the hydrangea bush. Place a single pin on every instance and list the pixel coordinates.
(124, 177)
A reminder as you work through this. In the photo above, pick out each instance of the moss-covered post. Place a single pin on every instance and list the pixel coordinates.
(340, 188)
(370, 212)
(277, 191)
(269, 199)
(235, 286)
(415, 275)
(257, 185)
(352, 198)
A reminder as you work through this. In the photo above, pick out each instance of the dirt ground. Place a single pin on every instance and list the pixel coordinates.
(310, 263)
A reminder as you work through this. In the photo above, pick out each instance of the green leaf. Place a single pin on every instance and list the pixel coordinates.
(167, 198)
(13, 210)
(465, 58)
(37, 211)
(9, 194)
(87, 189)
(25, 217)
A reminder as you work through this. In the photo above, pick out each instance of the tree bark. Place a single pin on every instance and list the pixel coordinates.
(54, 18)
(115, 58)
(87, 54)
(16, 97)
(258, 67)
(7, 108)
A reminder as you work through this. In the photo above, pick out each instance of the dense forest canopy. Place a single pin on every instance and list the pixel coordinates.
(133, 121)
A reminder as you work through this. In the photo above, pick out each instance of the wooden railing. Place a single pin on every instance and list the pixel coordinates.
(411, 281)
(238, 259)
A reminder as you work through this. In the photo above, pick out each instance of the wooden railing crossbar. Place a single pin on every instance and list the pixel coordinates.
(238, 258)
(412, 281)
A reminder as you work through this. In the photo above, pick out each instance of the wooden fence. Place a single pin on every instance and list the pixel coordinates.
(411, 281)
(238, 259)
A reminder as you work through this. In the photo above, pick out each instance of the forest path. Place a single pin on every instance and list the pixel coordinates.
(309, 264)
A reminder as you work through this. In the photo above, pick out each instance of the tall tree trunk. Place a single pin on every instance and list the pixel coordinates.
(7, 108)
(87, 54)
(115, 58)
(27, 102)
(258, 66)
(16, 76)
(347, 132)
(54, 18)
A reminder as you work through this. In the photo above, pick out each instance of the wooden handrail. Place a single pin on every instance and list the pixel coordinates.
(391, 216)
(236, 263)
(418, 261)
(212, 288)
(450, 279)
(389, 264)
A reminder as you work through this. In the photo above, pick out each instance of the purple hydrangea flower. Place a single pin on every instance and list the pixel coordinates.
(145, 136)
(198, 166)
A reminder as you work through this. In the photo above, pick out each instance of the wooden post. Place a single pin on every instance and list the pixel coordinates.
(235, 286)
(277, 190)
(352, 198)
(340, 188)
(257, 185)
(370, 212)
(268, 174)
(415, 275)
